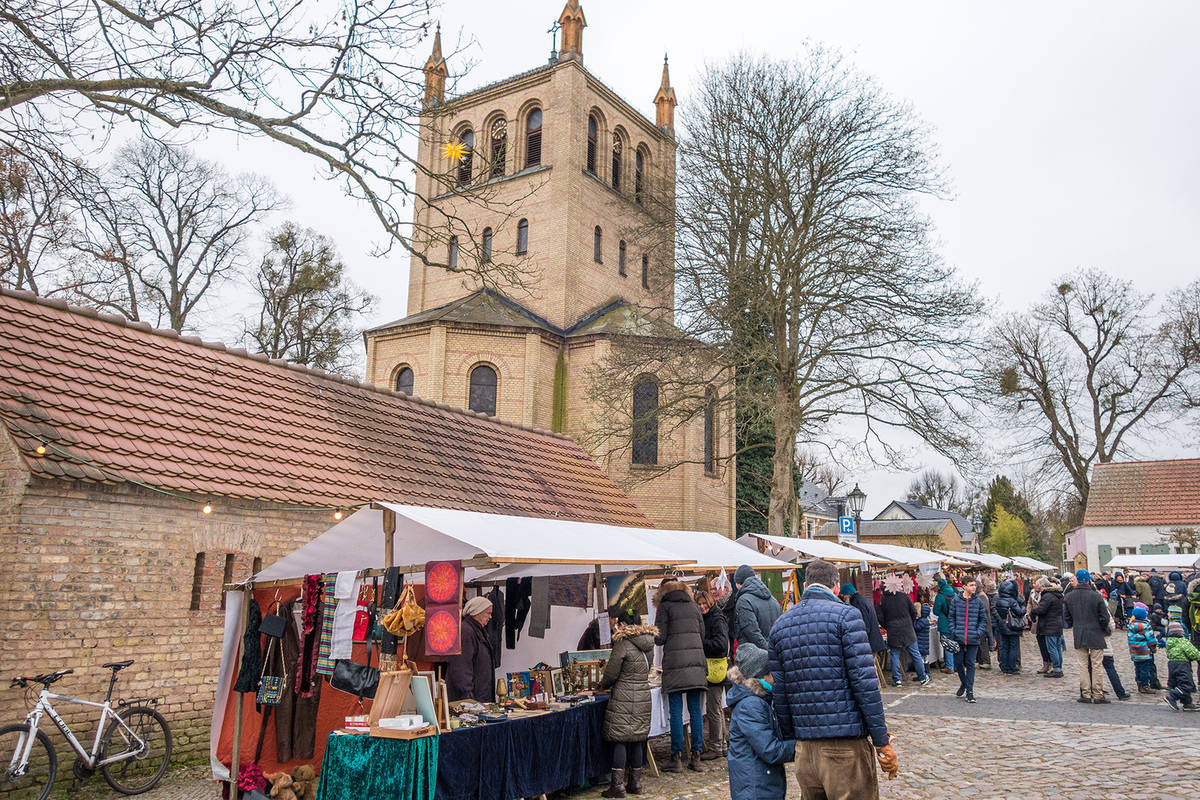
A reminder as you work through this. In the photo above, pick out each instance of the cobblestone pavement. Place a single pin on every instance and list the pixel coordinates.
(1026, 737)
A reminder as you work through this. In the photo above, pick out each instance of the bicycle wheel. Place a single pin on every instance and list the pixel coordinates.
(143, 771)
(35, 782)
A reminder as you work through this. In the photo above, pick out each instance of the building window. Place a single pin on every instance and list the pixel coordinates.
(1127, 551)
(621, 258)
(710, 431)
(404, 380)
(645, 421)
(197, 582)
(482, 396)
(592, 142)
(523, 237)
(464, 165)
(639, 176)
(645, 271)
(598, 245)
(452, 257)
(226, 576)
(533, 138)
(487, 244)
(616, 162)
(499, 147)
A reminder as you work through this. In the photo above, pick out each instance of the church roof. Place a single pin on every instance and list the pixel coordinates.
(115, 401)
(481, 307)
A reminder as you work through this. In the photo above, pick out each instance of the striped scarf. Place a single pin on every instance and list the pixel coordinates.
(324, 662)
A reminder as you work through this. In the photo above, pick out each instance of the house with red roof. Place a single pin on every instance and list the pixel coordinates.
(1131, 506)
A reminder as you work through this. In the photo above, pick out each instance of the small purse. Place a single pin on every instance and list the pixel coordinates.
(360, 680)
(718, 668)
(270, 687)
(273, 624)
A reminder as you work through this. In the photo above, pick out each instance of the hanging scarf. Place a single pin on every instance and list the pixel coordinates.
(251, 670)
(309, 636)
(324, 661)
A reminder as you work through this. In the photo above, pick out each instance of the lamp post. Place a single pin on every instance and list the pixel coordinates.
(856, 500)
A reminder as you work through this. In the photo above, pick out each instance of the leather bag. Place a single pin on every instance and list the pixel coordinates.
(361, 680)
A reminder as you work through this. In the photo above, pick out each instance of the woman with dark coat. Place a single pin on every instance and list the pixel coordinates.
(716, 646)
(1048, 615)
(1008, 604)
(472, 673)
(627, 719)
(684, 670)
(897, 614)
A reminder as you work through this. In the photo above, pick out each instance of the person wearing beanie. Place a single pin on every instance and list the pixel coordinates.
(1142, 645)
(756, 608)
(1180, 655)
(1086, 613)
(757, 748)
(471, 674)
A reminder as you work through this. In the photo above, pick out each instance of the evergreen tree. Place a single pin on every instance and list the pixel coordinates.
(1008, 534)
(1001, 494)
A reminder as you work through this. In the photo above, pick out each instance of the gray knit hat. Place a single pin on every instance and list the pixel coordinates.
(751, 660)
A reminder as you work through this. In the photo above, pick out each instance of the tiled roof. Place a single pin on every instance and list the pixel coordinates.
(921, 511)
(887, 527)
(119, 401)
(481, 307)
(1145, 493)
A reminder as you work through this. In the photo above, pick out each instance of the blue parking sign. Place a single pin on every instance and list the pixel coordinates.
(846, 529)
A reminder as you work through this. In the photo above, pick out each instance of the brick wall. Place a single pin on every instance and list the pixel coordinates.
(95, 573)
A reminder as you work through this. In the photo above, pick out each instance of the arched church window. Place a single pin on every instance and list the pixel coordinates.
(533, 138)
(616, 162)
(592, 142)
(404, 380)
(499, 147)
(621, 258)
(598, 245)
(523, 237)
(467, 137)
(452, 256)
(710, 431)
(487, 244)
(645, 421)
(482, 394)
(639, 176)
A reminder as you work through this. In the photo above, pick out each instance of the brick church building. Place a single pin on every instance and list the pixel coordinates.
(553, 200)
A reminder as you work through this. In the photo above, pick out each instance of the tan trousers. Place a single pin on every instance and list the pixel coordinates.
(836, 769)
(715, 734)
(1091, 673)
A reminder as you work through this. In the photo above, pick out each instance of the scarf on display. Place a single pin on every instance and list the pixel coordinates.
(309, 636)
(251, 670)
(517, 593)
(325, 662)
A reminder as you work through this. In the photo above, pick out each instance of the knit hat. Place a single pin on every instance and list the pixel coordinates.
(476, 605)
(1175, 628)
(1083, 576)
(744, 573)
(848, 588)
(751, 660)
(1139, 613)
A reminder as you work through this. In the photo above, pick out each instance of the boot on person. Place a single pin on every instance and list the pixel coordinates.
(616, 784)
(1046, 668)
(633, 782)
(675, 764)
(712, 752)
(694, 762)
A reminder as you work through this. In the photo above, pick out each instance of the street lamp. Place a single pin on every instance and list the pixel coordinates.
(856, 500)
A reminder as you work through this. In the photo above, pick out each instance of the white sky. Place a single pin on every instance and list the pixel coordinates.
(1069, 129)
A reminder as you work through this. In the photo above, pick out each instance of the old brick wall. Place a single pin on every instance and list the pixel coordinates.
(96, 573)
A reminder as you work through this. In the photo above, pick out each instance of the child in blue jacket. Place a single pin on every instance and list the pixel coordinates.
(757, 750)
(1142, 644)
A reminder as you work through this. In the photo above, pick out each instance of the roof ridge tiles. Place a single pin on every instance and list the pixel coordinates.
(63, 305)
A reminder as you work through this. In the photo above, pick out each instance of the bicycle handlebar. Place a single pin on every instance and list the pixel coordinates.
(48, 678)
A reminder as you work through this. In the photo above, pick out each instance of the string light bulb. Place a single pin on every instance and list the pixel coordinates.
(41, 450)
(207, 509)
(337, 514)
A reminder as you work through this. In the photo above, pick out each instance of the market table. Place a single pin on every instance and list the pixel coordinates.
(523, 757)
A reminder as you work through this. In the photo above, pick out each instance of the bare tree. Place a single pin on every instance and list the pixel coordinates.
(1089, 369)
(821, 471)
(309, 309)
(34, 218)
(938, 489)
(1184, 540)
(161, 230)
(803, 261)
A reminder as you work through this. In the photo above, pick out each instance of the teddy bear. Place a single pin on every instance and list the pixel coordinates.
(304, 782)
(281, 787)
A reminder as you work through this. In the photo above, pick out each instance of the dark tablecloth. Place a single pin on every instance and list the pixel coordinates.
(381, 769)
(523, 757)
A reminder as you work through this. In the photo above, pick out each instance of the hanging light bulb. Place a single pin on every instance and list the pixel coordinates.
(41, 450)
(207, 509)
(337, 514)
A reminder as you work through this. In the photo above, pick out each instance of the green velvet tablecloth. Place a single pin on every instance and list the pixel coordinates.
(383, 769)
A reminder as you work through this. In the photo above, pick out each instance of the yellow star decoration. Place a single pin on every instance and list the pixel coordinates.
(454, 150)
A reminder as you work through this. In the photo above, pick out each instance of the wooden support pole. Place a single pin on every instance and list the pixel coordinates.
(389, 537)
(235, 763)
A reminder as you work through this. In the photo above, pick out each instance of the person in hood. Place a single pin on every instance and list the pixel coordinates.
(757, 748)
(684, 668)
(1048, 615)
(627, 718)
(1142, 644)
(756, 609)
(1175, 600)
(1180, 655)
(1157, 588)
(1008, 620)
(941, 610)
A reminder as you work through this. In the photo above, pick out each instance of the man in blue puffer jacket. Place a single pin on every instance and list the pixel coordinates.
(826, 692)
(968, 624)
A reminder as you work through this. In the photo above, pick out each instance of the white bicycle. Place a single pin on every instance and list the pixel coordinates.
(132, 746)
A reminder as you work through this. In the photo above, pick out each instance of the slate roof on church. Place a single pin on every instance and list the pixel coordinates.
(116, 401)
(1145, 493)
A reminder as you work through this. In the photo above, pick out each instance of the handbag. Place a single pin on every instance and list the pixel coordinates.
(951, 645)
(1014, 621)
(407, 617)
(270, 687)
(360, 680)
(273, 624)
(718, 668)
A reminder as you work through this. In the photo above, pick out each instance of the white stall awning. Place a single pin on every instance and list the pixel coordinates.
(990, 560)
(913, 556)
(1166, 561)
(816, 548)
(1033, 564)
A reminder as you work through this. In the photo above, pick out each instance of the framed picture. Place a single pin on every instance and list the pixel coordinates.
(556, 682)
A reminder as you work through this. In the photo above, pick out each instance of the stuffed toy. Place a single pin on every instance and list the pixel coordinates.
(304, 782)
(281, 789)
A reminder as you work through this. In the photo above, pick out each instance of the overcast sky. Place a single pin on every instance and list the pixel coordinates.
(1070, 130)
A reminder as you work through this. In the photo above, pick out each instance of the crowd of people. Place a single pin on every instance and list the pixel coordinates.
(803, 685)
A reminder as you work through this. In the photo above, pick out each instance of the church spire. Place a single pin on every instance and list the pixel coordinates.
(665, 102)
(435, 72)
(572, 22)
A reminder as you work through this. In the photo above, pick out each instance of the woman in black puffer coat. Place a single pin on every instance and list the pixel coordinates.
(1008, 604)
(684, 670)
(897, 615)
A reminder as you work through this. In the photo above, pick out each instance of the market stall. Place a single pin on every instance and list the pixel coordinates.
(1183, 562)
(808, 549)
(987, 560)
(910, 556)
(1033, 565)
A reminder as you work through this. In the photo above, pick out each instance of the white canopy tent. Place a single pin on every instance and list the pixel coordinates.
(990, 560)
(1034, 564)
(814, 548)
(1165, 561)
(912, 556)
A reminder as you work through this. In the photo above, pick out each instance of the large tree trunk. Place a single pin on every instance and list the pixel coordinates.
(783, 487)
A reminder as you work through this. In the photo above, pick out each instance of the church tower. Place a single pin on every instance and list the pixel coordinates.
(539, 240)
